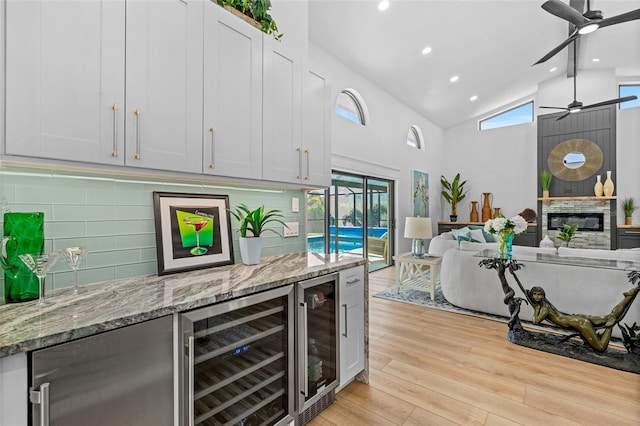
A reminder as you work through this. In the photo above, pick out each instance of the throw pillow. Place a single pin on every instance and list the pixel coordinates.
(489, 238)
(477, 236)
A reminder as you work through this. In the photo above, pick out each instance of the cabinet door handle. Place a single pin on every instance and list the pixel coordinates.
(346, 320)
(41, 397)
(632, 232)
(305, 362)
(212, 164)
(137, 114)
(353, 281)
(191, 379)
(299, 150)
(306, 151)
(114, 152)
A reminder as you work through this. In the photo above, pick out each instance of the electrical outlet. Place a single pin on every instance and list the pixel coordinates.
(295, 205)
(291, 230)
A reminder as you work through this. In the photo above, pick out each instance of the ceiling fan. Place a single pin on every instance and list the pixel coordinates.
(585, 23)
(577, 106)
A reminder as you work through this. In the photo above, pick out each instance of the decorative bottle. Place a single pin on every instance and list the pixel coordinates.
(486, 206)
(608, 185)
(598, 187)
(473, 217)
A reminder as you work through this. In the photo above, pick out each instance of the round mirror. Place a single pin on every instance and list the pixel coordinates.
(574, 160)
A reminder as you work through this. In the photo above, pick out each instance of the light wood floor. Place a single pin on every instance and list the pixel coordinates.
(431, 367)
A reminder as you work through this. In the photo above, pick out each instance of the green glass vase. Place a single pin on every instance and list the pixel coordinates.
(23, 234)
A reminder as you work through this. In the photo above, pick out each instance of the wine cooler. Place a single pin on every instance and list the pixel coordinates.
(318, 362)
(237, 363)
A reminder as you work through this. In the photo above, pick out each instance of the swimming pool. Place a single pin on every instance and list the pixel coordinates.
(349, 239)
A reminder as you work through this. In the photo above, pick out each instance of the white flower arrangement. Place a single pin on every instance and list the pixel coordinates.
(515, 225)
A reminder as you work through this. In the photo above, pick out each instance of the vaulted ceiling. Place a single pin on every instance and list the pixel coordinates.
(489, 45)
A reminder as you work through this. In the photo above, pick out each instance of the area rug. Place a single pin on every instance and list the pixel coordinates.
(423, 298)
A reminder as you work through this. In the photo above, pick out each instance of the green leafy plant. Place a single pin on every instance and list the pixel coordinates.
(567, 233)
(257, 10)
(255, 220)
(545, 180)
(629, 206)
(453, 192)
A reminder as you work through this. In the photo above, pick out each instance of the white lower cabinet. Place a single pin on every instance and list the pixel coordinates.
(13, 390)
(351, 317)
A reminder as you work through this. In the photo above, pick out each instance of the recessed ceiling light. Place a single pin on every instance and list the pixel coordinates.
(426, 50)
(383, 5)
(454, 79)
(553, 69)
(473, 98)
(596, 60)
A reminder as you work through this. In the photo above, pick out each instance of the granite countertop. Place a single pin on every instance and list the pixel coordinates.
(114, 304)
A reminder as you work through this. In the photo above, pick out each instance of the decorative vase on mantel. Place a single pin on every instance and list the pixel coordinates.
(487, 198)
(598, 189)
(473, 216)
(608, 185)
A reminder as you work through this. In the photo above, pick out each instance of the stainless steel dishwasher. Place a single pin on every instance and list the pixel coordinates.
(122, 377)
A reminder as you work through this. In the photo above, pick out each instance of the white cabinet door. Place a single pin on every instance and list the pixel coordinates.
(164, 84)
(351, 324)
(65, 80)
(316, 129)
(282, 144)
(232, 130)
(13, 390)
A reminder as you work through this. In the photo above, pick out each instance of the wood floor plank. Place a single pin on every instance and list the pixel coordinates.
(379, 402)
(433, 367)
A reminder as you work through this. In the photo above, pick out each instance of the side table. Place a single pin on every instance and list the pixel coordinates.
(410, 272)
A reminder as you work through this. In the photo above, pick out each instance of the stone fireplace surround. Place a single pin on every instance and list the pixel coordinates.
(582, 239)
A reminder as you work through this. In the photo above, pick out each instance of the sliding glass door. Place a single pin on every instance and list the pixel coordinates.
(352, 216)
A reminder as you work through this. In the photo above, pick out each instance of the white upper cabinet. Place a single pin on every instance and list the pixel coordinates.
(282, 137)
(164, 84)
(65, 80)
(232, 128)
(316, 129)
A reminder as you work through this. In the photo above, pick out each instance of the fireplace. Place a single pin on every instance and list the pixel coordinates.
(586, 221)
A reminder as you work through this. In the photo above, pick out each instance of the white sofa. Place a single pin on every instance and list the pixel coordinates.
(572, 289)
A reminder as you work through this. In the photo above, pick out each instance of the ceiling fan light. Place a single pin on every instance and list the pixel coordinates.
(589, 28)
(574, 110)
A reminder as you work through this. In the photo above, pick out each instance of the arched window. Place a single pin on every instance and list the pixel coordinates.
(414, 138)
(351, 106)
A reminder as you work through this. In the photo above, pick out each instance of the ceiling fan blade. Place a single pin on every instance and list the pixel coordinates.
(618, 19)
(563, 116)
(564, 11)
(612, 101)
(558, 48)
(564, 108)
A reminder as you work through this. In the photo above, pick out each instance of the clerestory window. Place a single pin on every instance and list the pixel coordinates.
(350, 105)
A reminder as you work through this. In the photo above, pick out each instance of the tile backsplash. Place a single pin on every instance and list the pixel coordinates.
(113, 217)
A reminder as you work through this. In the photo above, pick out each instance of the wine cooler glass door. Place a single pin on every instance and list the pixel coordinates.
(318, 344)
(238, 366)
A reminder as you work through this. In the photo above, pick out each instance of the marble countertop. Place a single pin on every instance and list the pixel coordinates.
(114, 304)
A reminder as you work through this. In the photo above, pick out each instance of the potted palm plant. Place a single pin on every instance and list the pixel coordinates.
(453, 192)
(251, 227)
(567, 233)
(545, 182)
(629, 206)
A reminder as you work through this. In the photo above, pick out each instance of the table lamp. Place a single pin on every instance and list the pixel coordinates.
(418, 228)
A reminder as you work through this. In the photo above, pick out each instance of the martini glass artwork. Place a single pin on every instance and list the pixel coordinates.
(40, 265)
(73, 256)
(198, 222)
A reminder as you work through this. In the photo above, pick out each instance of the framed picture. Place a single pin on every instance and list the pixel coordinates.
(193, 231)
(420, 191)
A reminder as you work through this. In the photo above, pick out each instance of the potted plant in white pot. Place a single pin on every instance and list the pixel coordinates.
(252, 225)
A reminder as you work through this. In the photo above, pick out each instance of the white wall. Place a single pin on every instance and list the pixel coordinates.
(380, 148)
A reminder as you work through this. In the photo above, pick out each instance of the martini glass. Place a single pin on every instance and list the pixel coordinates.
(198, 222)
(73, 256)
(40, 265)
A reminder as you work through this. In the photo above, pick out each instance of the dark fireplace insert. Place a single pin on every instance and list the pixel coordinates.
(585, 221)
